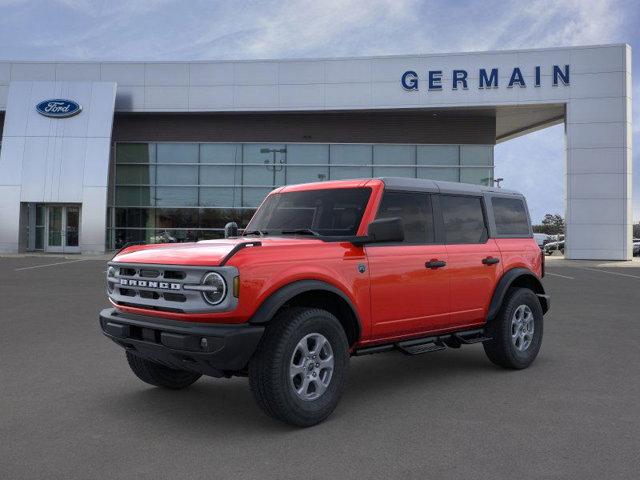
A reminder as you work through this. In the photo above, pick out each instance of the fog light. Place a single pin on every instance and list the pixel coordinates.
(204, 343)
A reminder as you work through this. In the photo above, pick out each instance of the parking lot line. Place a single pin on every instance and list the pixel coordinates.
(48, 265)
(558, 275)
(611, 273)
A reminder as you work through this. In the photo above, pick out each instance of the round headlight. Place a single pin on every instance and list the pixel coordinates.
(111, 273)
(216, 288)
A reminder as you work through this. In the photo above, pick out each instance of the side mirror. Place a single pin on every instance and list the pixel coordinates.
(231, 230)
(383, 230)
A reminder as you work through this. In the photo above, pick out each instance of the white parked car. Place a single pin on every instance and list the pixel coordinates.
(541, 239)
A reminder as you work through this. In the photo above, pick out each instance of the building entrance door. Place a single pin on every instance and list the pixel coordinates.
(62, 229)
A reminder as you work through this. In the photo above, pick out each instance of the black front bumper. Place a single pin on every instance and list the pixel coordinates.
(214, 350)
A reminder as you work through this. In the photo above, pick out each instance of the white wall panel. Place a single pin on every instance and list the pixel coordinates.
(345, 95)
(17, 110)
(300, 72)
(34, 166)
(166, 98)
(596, 160)
(5, 73)
(256, 73)
(593, 85)
(57, 160)
(347, 71)
(71, 171)
(9, 215)
(206, 74)
(11, 161)
(595, 135)
(256, 96)
(130, 74)
(166, 74)
(77, 72)
(596, 110)
(93, 219)
(211, 98)
(301, 96)
(130, 99)
(4, 92)
(598, 59)
(33, 71)
(95, 170)
(101, 107)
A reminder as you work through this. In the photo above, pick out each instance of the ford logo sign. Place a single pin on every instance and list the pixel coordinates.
(58, 108)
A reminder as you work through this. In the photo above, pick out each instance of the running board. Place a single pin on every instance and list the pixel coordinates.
(417, 346)
(420, 348)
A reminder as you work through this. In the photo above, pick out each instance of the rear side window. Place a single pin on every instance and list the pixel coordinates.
(511, 217)
(463, 219)
(415, 211)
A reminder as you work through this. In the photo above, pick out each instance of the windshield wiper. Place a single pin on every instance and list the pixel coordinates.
(301, 231)
(260, 233)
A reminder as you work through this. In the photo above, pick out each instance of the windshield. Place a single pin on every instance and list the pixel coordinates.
(326, 212)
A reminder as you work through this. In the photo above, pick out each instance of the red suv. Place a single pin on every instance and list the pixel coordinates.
(328, 270)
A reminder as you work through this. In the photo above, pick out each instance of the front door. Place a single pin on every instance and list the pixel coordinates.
(62, 229)
(409, 284)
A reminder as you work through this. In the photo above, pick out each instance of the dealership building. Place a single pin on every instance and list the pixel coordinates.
(95, 155)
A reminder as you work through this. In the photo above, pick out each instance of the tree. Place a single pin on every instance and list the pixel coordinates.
(552, 224)
(636, 230)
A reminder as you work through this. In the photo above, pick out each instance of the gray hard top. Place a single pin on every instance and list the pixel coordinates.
(437, 186)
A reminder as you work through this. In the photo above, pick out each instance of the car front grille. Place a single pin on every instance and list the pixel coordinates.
(158, 287)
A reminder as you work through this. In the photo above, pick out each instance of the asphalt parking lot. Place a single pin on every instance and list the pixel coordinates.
(70, 407)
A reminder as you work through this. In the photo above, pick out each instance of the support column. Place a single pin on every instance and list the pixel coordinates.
(598, 208)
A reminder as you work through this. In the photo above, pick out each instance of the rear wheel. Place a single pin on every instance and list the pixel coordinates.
(159, 375)
(516, 332)
(299, 370)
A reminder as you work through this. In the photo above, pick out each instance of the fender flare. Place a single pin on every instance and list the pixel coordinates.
(507, 280)
(277, 299)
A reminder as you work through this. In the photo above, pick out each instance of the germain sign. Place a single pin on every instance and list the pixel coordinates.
(487, 78)
(58, 108)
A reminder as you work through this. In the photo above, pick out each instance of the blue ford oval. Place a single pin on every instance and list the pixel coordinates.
(58, 108)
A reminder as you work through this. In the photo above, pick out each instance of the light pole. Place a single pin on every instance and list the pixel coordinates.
(497, 181)
(274, 165)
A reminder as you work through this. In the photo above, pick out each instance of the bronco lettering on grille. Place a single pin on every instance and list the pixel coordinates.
(145, 283)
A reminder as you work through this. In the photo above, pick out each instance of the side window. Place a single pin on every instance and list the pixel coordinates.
(511, 217)
(415, 211)
(463, 219)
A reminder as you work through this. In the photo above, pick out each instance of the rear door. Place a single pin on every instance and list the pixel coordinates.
(407, 296)
(474, 259)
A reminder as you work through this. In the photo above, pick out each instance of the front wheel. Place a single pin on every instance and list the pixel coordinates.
(516, 332)
(299, 370)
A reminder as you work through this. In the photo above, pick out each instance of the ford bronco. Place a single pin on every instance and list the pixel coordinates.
(324, 271)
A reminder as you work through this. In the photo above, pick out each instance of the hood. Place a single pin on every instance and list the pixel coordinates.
(204, 253)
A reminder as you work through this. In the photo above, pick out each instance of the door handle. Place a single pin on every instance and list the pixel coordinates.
(433, 264)
(490, 260)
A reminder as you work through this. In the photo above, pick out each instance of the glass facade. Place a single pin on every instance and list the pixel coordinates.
(166, 192)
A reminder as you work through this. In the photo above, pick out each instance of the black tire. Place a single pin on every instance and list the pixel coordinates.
(501, 349)
(269, 368)
(159, 375)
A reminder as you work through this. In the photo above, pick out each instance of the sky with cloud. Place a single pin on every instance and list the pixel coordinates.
(250, 29)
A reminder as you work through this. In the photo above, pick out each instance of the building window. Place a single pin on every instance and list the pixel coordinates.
(188, 191)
